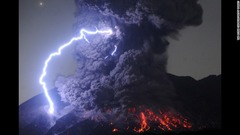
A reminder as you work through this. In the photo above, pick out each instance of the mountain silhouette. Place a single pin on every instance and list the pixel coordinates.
(202, 98)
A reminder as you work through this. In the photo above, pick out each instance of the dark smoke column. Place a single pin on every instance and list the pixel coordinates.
(136, 75)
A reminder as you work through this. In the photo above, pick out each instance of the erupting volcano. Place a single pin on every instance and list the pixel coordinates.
(129, 92)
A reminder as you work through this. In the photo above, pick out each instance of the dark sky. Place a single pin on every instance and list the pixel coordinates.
(46, 24)
(197, 53)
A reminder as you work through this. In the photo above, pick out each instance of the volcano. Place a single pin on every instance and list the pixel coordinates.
(200, 98)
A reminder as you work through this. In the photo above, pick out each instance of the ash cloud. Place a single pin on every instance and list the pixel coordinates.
(136, 74)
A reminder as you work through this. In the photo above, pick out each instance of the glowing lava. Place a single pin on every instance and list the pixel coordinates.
(144, 125)
(165, 121)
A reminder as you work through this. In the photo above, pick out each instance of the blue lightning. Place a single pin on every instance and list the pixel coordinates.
(115, 49)
(44, 72)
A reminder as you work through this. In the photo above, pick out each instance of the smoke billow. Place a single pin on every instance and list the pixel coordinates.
(136, 75)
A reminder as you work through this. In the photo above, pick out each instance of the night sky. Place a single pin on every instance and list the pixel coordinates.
(46, 24)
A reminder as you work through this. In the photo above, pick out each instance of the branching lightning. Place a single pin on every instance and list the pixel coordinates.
(83, 33)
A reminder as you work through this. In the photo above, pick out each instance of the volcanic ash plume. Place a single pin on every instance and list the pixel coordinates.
(108, 88)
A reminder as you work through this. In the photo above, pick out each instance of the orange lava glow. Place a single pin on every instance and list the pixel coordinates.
(165, 121)
(144, 125)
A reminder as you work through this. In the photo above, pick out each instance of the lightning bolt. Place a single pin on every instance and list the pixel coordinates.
(115, 49)
(83, 33)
